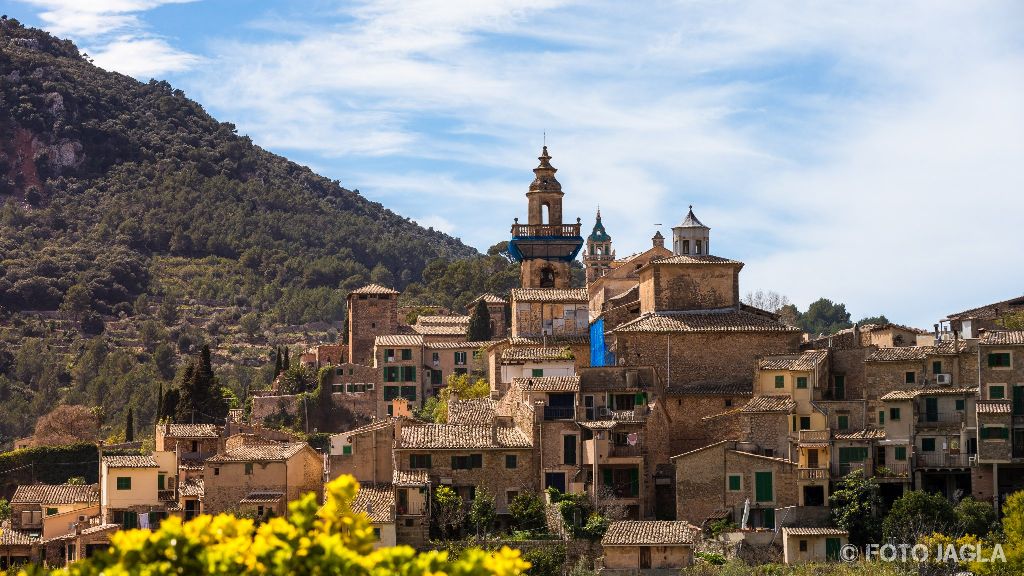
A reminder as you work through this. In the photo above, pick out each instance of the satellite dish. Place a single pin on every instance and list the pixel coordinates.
(632, 438)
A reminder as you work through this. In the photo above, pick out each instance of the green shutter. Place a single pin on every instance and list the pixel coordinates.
(634, 482)
(844, 422)
(801, 382)
(1018, 400)
(832, 549)
(928, 444)
(735, 481)
(768, 515)
(900, 453)
(537, 372)
(780, 381)
(160, 482)
(569, 449)
(881, 417)
(937, 367)
(960, 403)
(763, 486)
(607, 474)
(894, 413)
(996, 392)
(346, 450)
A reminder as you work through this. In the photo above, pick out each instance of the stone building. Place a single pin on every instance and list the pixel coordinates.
(137, 491)
(446, 328)
(801, 545)
(647, 547)
(258, 475)
(398, 359)
(45, 510)
(969, 323)
(1000, 414)
(598, 257)
(703, 413)
(537, 313)
(377, 501)
(372, 312)
(691, 237)
(497, 309)
(190, 442)
(365, 452)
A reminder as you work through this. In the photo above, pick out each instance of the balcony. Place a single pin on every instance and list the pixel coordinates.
(953, 418)
(547, 230)
(624, 451)
(893, 470)
(815, 435)
(812, 473)
(559, 412)
(942, 460)
(843, 468)
(548, 241)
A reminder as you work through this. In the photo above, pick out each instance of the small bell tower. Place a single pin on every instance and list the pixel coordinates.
(599, 254)
(691, 237)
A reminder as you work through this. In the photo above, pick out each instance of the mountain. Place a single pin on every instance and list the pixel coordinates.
(128, 188)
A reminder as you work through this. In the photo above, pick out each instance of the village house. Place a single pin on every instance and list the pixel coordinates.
(497, 310)
(137, 490)
(47, 510)
(969, 323)
(1000, 414)
(647, 547)
(377, 501)
(372, 312)
(365, 452)
(801, 545)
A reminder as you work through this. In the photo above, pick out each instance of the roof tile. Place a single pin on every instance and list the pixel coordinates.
(725, 320)
(398, 340)
(263, 452)
(130, 461)
(650, 532)
(462, 436)
(377, 501)
(56, 494)
(471, 411)
(549, 384)
(770, 403)
(536, 353)
(579, 295)
(374, 289)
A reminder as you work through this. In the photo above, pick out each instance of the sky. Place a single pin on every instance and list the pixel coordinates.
(867, 152)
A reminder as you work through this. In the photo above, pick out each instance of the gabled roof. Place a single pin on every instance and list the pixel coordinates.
(262, 497)
(1002, 337)
(378, 424)
(550, 340)
(770, 403)
(439, 320)
(10, 537)
(578, 295)
(410, 478)
(989, 310)
(441, 329)
(130, 461)
(650, 533)
(264, 452)
(808, 360)
(192, 488)
(471, 411)
(800, 531)
(460, 345)
(192, 430)
(488, 298)
(56, 494)
(461, 436)
(722, 320)
(693, 259)
(377, 501)
(535, 354)
(549, 383)
(910, 394)
(374, 289)
(865, 434)
(399, 340)
(900, 354)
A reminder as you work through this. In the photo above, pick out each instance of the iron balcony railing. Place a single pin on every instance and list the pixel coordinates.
(559, 412)
(812, 473)
(942, 459)
(545, 230)
(624, 451)
(815, 435)
(893, 470)
(940, 418)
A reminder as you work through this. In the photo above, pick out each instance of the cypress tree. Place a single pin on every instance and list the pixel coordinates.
(480, 323)
(129, 427)
(277, 361)
(287, 363)
(160, 402)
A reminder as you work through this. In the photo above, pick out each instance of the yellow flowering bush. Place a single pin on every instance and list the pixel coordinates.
(313, 540)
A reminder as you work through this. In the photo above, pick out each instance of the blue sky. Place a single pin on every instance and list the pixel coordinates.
(868, 152)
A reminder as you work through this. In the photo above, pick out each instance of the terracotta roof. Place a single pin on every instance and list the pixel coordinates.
(805, 361)
(398, 340)
(378, 424)
(377, 501)
(631, 295)
(262, 497)
(727, 413)
(536, 353)
(190, 464)
(130, 461)
(441, 330)
(193, 430)
(866, 434)
(711, 387)
(436, 320)
(462, 436)
(471, 411)
(649, 532)
(770, 403)
(101, 528)
(597, 424)
(1002, 337)
(900, 354)
(10, 537)
(990, 310)
(549, 384)
(489, 299)
(694, 259)
(410, 478)
(899, 395)
(550, 295)
(268, 452)
(374, 289)
(994, 407)
(723, 320)
(192, 488)
(702, 448)
(56, 494)
(690, 221)
(550, 340)
(910, 394)
(460, 345)
(799, 531)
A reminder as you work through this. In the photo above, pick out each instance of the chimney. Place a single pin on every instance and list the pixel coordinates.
(936, 332)
(658, 241)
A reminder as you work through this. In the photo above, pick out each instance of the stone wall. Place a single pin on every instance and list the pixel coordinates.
(770, 431)
(369, 316)
(534, 319)
(665, 287)
(700, 419)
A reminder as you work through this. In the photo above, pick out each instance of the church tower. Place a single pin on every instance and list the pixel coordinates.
(599, 254)
(545, 245)
(691, 237)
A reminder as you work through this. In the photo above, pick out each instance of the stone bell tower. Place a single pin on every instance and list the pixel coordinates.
(598, 257)
(545, 246)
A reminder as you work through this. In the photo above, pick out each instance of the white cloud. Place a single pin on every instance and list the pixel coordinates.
(116, 34)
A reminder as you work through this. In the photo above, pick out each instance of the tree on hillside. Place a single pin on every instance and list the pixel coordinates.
(790, 315)
(918, 513)
(286, 363)
(873, 320)
(278, 361)
(1012, 321)
(67, 424)
(480, 323)
(129, 427)
(824, 316)
(381, 275)
(482, 513)
(77, 301)
(854, 504)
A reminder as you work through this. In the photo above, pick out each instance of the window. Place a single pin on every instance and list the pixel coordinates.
(216, 471)
(51, 511)
(389, 355)
(460, 358)
(337, 388)
(511, 461)
(996, 392)
(124, 483)
(960, 402)
(686, 246)
(910, 377)
(161, 479)
(805, 422)
(569, 449)
(803, 545)
(937, 367)
(844, 422)
(467, 462)
(510, 495)
(735, 482)
(419, 461)
(900, 453)
(537, 372)
(391, 374)
(346, 450)
(780, 381)
(853, 454)
(435, 357)
(994, 433)
(801, 382)
(248, 468)
(697, 247)
(881, 417)
(392, 392)
(376, 534)
(928, 444)
(728, 402)
(763, 491)
(409, 393)
(999, 360)
(406, 353)
(894, 414)
(408, 373)
(260, 510)
(435, 377)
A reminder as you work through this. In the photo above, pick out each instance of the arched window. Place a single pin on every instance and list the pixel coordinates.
(545, 213)
(547, 278)
(686, 246)
(698, 247)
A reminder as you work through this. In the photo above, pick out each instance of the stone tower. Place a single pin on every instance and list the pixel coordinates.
(599, 254)
(545, 246)
(372, 312)
(691, 238)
